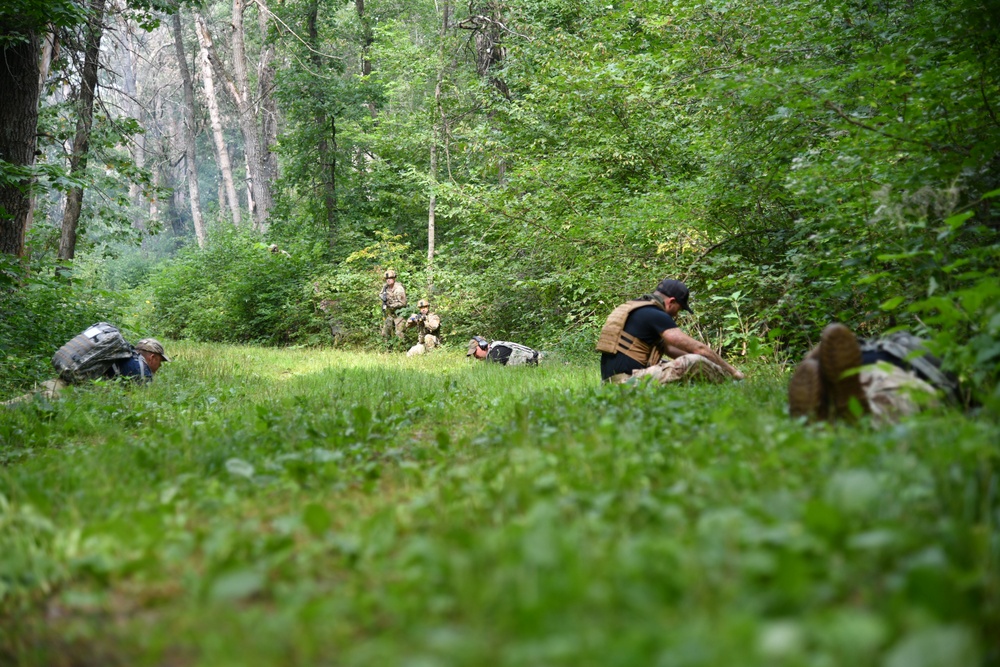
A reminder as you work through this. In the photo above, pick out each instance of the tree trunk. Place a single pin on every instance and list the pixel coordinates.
(85, 118)
(135, 110)
(240, 91)
(188, 125)
(18, 125)
(265, 93)
(367, 38)
(238, 88)
(48, 53)
(215, 118)
(327, 153)
(436, 131)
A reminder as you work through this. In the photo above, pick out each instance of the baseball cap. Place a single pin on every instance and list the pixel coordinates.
(152, 345)
(477, 341)
(677, 290)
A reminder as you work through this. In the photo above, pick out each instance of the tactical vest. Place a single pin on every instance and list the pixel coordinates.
(907, 347)
(614, 338)
(519, 354)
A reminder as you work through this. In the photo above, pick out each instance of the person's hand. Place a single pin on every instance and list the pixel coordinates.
(738, 376)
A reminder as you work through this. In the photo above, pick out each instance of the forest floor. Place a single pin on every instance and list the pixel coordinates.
(256, 506)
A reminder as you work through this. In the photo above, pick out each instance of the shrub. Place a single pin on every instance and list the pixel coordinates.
(236, 289)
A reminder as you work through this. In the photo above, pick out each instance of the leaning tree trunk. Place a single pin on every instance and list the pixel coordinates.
(81, 142)
(238, 87)
(240, 91)
(18, 125)
(215, 119)
(190, 162)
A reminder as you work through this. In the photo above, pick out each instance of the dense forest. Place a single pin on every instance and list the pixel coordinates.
(235, 177)
(245, 171)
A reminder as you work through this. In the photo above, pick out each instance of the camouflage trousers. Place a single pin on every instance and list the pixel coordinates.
(429, 343)
(893, 393)
(686, 367)
(49, 389)
(391, 323)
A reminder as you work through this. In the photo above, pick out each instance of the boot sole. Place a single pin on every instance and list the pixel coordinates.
(805, 391)
(840, 352)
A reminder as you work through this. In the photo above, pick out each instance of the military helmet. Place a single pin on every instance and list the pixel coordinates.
(390, 274)
(423, 303)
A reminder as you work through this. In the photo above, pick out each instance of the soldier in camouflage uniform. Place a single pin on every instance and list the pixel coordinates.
(393, 298)
(428, 324)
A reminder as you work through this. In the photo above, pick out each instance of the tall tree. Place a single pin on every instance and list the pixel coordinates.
(248, 108)
(215, 119)
(190, 160)
(85, 116)
(327, 144)
(18, 123)
(437, 132)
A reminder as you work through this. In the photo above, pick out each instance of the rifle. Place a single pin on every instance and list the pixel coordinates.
(385, 300)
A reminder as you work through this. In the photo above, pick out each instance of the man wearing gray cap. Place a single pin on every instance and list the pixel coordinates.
(145, 361)
(640, 333)
(101, 354)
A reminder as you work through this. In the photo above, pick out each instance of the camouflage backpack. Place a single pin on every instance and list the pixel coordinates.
(519, 354)
(912, 350)
(90, 353)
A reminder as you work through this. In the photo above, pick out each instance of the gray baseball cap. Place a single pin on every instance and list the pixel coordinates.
(152, 345)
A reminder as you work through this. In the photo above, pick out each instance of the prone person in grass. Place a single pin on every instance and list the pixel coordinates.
(889, 377)
(100, 352)
(639, 334)
(502, 352)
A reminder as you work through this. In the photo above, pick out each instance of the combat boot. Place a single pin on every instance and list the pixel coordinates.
(840, 352)
(807, 395)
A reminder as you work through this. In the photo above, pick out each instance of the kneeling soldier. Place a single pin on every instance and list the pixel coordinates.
(428, 324)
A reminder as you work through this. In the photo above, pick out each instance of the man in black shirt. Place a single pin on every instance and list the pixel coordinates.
(638, 334)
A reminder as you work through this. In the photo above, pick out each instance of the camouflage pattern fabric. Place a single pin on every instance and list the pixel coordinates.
(395, 299)
(686, 367)
(893, 393)
(49, 389)
(393, 323)
(427, 327)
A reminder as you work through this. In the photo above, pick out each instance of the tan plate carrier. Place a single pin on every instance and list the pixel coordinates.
(614, 338)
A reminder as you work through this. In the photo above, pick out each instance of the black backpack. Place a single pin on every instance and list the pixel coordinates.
(88, 355)
(912, 350)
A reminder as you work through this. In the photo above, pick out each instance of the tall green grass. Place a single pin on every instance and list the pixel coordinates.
(298, 507)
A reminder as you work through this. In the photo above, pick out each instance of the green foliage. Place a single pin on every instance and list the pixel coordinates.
(281, 506)
(235, 289)
(39, 313)
(18, 17)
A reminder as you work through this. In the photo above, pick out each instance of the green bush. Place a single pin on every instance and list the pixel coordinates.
(235, 290)
(38, 313)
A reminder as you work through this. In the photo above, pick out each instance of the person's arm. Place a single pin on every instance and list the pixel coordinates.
(678, 341)
(671, 351)
(433, 322)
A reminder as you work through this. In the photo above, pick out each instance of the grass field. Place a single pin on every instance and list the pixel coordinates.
(296, 507)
